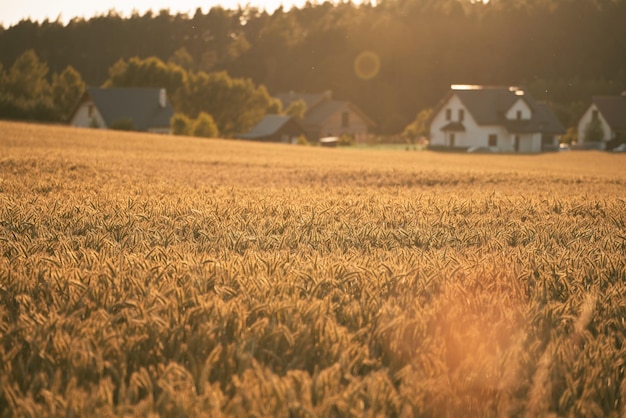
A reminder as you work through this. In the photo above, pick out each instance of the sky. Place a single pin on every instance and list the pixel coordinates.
(12, 11)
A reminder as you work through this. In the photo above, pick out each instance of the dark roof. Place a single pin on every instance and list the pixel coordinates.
(141, 105)
(454, 127)
(489, 105)
(320, 106)
(268, 126)
(326, 109)
(613, 110)
(310, 99)
(548, 122)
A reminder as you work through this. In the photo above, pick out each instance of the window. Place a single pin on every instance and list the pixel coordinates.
(493, 140)
(516, 143)
(345, 119)
(461, 115)
(448, 114)
(519, 115)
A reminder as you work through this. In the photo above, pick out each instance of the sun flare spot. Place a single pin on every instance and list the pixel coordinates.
(367, 65)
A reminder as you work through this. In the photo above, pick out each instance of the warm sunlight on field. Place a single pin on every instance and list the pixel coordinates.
(144, 274)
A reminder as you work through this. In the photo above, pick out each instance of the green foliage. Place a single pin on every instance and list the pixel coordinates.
(235, 104)
(204, 126)
(594, 132)
(571, 136)
(182, 58)
(25, 92)
(67, 88)
(345, 140)
(296, 109)
(149, 72)
(26, 78)
(302, 140)
(420, 126)
(181, 124)
(123, 125)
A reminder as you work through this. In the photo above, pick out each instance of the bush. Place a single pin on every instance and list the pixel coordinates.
(302, 140)
(204, 126)
(126, 124)
(181, 124)
(345, 140)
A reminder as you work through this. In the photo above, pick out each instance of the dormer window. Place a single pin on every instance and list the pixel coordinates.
(448, 114)
(594, 115)
(461, 115)
(519, 115)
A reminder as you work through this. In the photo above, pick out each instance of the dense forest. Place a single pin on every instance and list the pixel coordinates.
(392, 59)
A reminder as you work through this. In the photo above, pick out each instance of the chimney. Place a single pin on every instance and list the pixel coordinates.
(162, 98)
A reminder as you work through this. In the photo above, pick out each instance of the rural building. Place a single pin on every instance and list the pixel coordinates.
(326, 117)
(275, 128)
(140, 109)
(610, 113)
(501, 119)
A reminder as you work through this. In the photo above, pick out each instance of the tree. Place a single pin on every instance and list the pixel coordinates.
(296, 109)
(149, 72)
(182, 58)
(26, 78)
(594, 131)
(181, 124)
(67, 88)
(26, 91)
(204, 126)
(236, 104)
(420, 126)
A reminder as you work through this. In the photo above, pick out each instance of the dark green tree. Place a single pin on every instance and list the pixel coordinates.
(204, 126)
(67, 88)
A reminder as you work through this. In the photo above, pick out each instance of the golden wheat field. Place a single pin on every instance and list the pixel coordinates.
(143, 275)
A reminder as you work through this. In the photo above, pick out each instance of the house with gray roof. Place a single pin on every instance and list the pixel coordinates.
(140, 109)
(610, 113)
(501, 119)
(326, 117)
(275, 128)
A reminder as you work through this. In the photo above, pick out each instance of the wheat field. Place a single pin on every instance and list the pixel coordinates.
(143, 275)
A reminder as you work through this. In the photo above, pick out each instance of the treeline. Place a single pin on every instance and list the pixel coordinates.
(563, 51)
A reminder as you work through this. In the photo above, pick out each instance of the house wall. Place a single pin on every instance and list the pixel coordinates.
(521, 106)
(333, 126)
(83, 119)
(461, 139)
(586, 119)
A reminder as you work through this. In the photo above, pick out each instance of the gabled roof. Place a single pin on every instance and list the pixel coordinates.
(326, 109)
(489, 105)
(320, 106)
(613, 109)
(141, 105)
(268, 126)
(310, 99)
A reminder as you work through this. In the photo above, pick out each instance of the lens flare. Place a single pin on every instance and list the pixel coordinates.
(367, 65)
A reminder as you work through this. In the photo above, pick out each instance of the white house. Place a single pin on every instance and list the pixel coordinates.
(141, 109)
(504, 119)
(610, 112)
